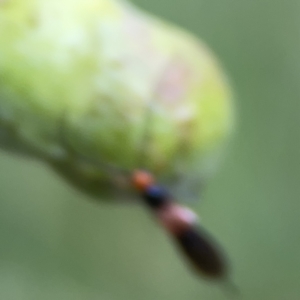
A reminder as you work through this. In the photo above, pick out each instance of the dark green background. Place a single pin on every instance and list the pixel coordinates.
(55, 244)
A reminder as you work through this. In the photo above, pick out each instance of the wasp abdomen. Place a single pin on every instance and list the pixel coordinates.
(203, 254)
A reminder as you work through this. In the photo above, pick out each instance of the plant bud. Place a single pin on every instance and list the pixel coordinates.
(95, 87)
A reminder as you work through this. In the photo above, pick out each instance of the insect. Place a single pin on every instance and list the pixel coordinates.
(182, 225)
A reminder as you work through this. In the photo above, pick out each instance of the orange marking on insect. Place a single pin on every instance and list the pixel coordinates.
(142, 180)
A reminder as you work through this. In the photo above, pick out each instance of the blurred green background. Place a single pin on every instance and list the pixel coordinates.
(57, 244)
